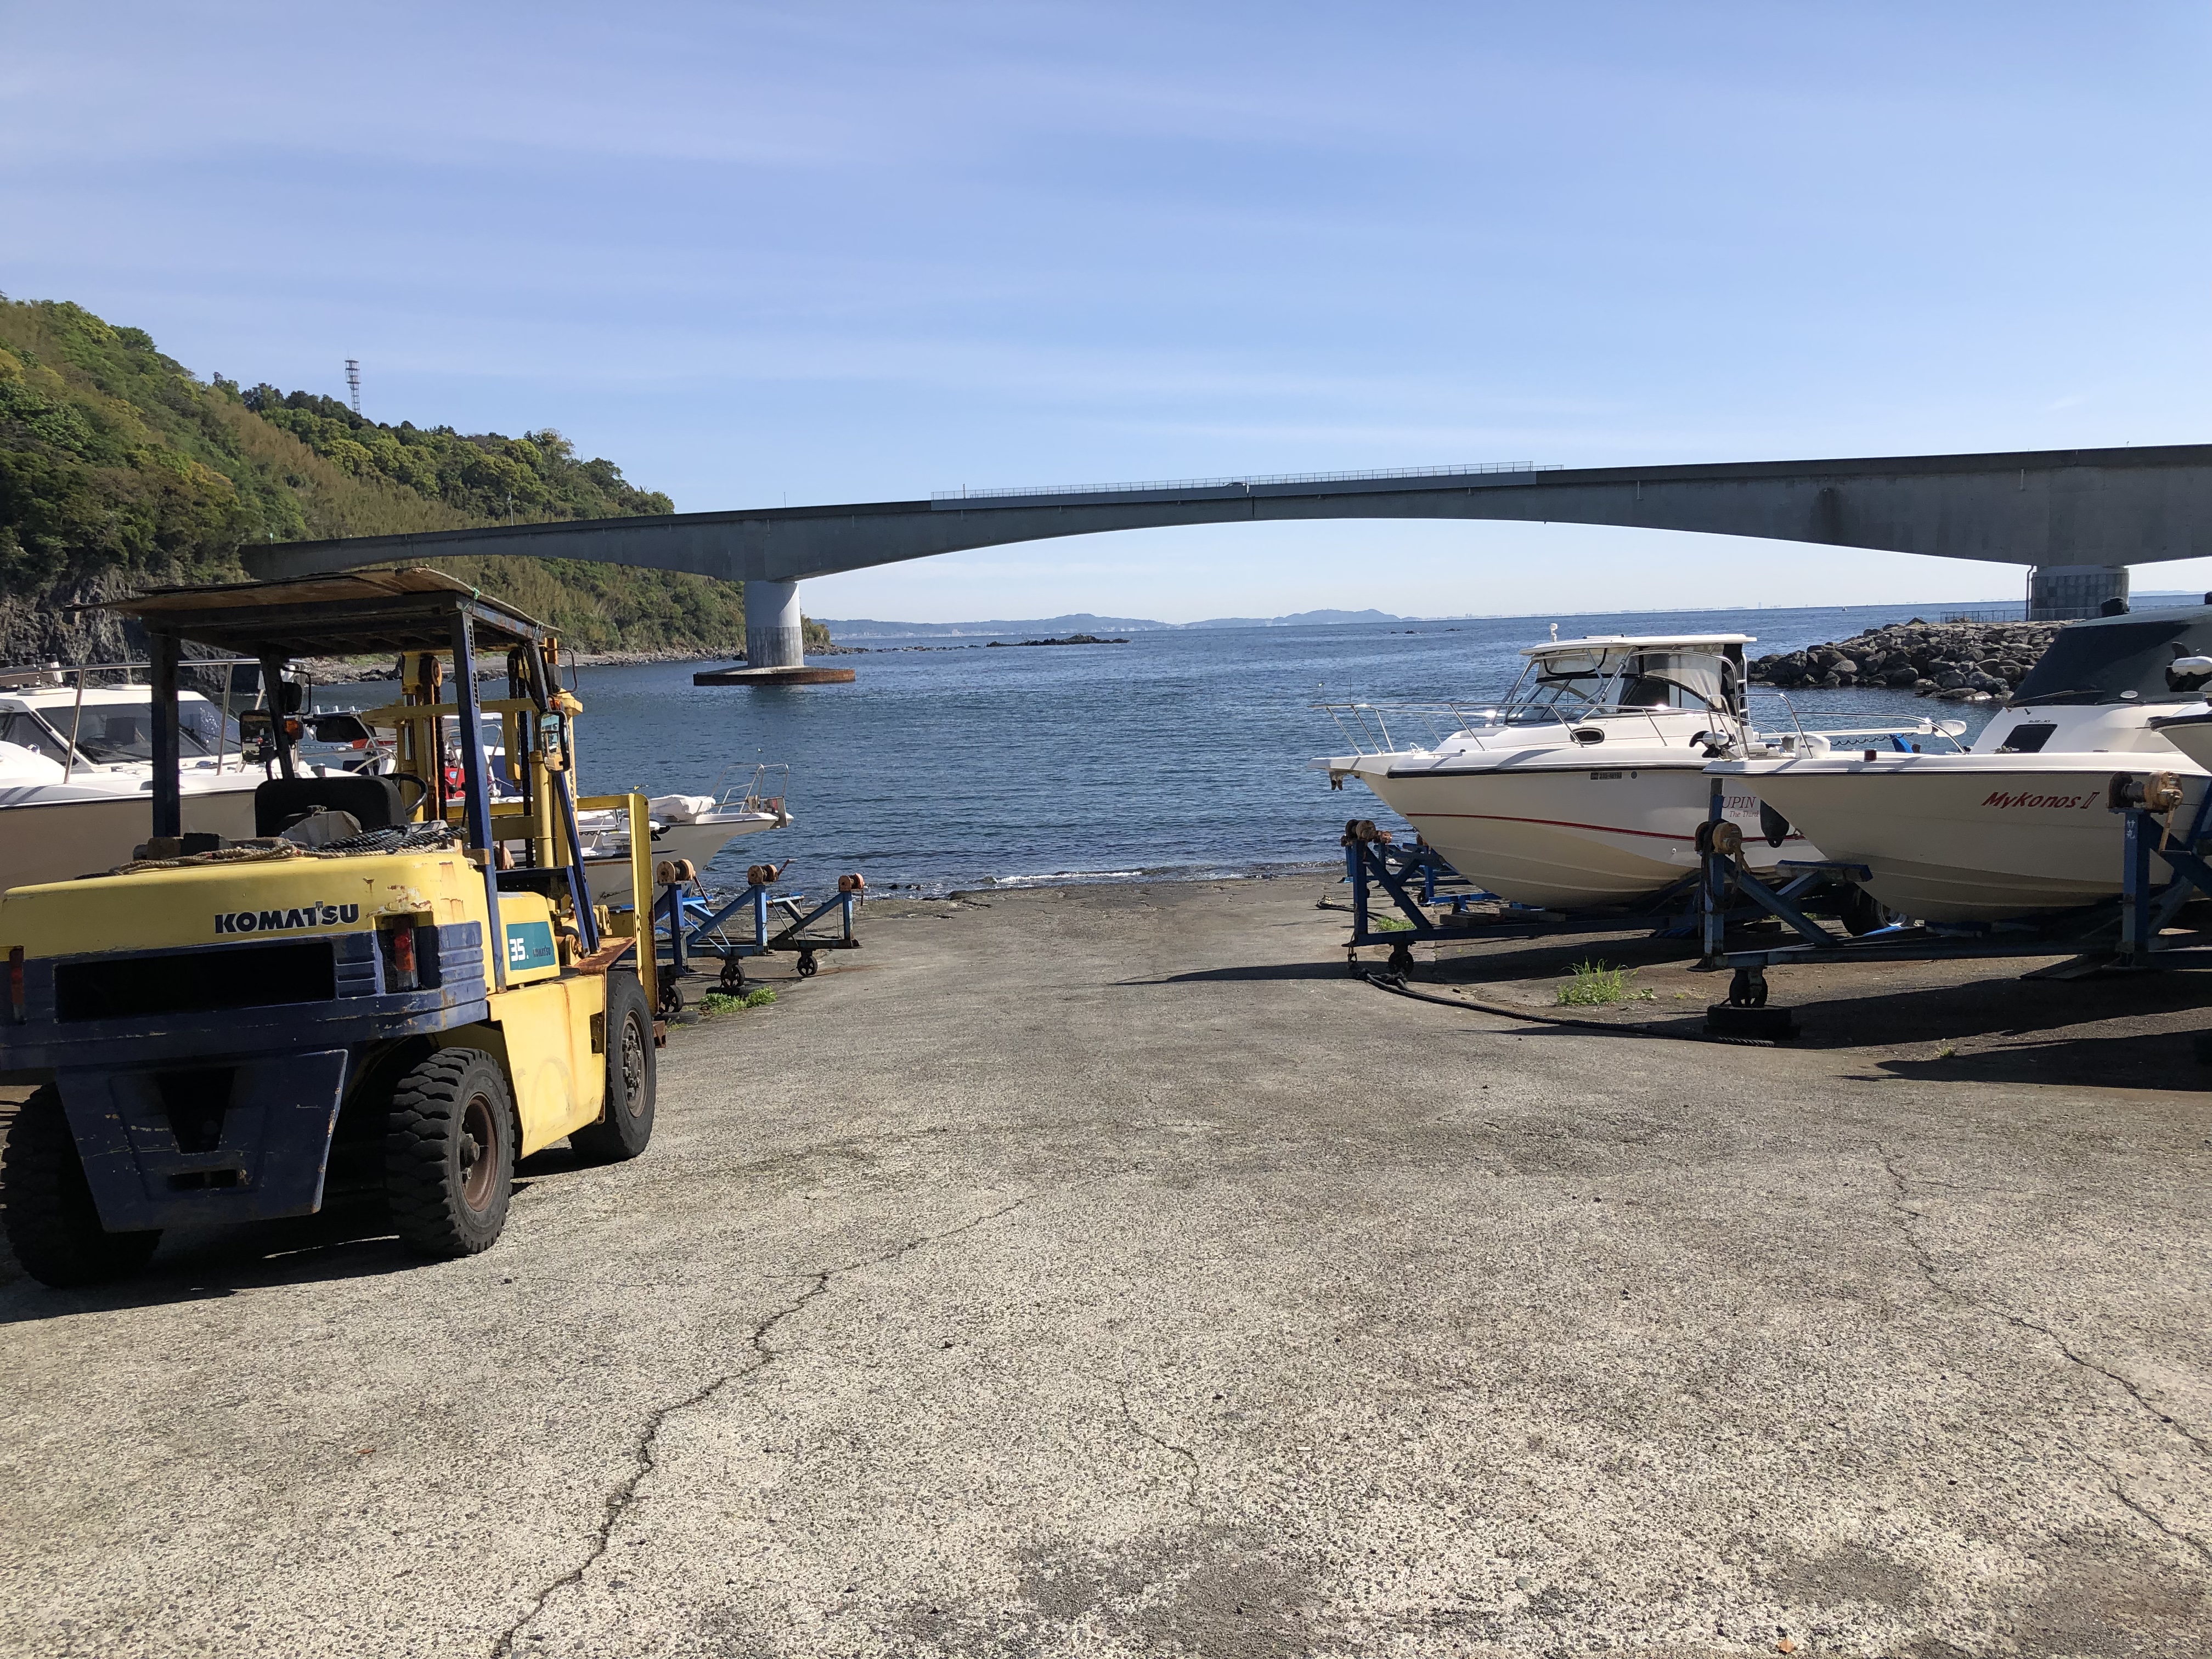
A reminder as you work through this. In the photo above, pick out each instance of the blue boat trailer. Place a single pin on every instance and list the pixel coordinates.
(1373, 859)
(2129, 934)
(696, 924)
(1418, 879)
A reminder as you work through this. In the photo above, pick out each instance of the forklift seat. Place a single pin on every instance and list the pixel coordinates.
(281, 802)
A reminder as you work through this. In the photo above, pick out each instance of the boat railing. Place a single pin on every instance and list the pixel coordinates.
(55, 676)
(1762, 725)
(761, 788)
(1366, 726)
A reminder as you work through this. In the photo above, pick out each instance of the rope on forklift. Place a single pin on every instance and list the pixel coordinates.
(398, 839)
(1395, 984)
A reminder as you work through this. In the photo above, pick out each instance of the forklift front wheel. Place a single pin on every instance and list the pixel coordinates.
(449, 1148)
(53, 1225)
(626, 1122)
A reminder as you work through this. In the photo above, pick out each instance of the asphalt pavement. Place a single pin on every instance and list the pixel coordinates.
(1104, 1272)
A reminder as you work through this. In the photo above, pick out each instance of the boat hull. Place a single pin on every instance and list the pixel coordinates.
(1565, 837)
(44, 840)
(1966, 837)
(698, 840)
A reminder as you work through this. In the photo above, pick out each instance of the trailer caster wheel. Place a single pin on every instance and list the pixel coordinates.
(1747, 989)
(449, 1148)
(733, 977)
(672, 999)
(1401, 958)
(807, 966)
(53, 1225)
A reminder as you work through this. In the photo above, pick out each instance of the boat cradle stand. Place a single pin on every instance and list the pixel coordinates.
(692, 925)
(2130, 934)
(1372, 860)
(1373, 864)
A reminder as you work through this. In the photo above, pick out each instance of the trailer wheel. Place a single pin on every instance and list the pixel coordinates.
(626, 1125)
(807, 965)
(53, 1223)
(1861, 911)
(449, 1144)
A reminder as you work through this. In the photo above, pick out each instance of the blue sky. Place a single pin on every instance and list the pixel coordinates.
(814, 254)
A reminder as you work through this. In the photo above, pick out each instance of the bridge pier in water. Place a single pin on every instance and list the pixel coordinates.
(2063, 592)
(775, 643)
(776, 634)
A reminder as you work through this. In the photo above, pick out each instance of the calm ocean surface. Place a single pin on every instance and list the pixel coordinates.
(1179, 754)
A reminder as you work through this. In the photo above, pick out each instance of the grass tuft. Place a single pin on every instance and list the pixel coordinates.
(719, 1002)
(1592, 984)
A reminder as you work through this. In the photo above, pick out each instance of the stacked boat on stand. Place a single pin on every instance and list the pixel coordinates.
(1588, 786)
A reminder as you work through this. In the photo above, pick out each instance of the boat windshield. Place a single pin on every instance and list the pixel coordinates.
(108, 733)
(2120, 662)
(1573, 685)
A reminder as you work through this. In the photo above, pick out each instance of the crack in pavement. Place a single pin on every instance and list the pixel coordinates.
(1928, 1270)
(1183, 1454)
(645, 1451)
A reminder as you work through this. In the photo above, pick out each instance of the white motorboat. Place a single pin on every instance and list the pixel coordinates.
(684, 827)
(2022, 822)
(77, 769)
(1587, 784)
(693, 827)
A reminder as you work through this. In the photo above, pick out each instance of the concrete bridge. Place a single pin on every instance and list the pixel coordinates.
(2079, 518)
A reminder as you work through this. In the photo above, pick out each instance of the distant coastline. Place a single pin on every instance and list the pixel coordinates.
(852, 630)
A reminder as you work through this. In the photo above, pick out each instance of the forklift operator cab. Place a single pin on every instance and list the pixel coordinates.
(397, 987)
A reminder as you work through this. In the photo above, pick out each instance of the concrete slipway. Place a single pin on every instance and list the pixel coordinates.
(1104, 1273)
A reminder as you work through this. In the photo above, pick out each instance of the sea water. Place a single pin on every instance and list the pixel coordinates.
(1182, 754)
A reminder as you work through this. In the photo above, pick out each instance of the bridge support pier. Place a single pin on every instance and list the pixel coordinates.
(775, 634)
(775, 639)
(2063, 592)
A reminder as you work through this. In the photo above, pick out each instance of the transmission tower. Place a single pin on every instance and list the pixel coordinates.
(353, 381)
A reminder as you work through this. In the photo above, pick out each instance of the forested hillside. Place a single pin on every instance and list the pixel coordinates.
(119, 470)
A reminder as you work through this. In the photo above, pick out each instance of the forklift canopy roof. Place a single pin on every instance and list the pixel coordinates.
(352, 615)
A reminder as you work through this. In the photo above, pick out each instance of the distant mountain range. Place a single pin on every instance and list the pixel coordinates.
(853, 629)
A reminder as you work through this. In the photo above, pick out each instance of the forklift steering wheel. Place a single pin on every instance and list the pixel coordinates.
(422, 788)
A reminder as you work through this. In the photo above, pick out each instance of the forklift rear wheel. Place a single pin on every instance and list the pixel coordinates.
(626, 1125)
(449, 1148)
(53, 1225)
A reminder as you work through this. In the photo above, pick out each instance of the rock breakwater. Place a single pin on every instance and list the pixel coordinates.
(1959, 662)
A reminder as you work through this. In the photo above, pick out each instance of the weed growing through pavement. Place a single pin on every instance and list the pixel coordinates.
(715, 1002)
(1390, 924)
(1592, 984)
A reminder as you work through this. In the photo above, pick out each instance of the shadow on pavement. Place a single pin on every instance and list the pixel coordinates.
(351, 1239)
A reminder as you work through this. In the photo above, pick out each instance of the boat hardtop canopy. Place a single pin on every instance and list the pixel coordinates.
(1626, 643)
(2136, 657)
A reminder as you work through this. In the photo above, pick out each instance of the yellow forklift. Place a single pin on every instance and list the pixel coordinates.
(400, 984)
